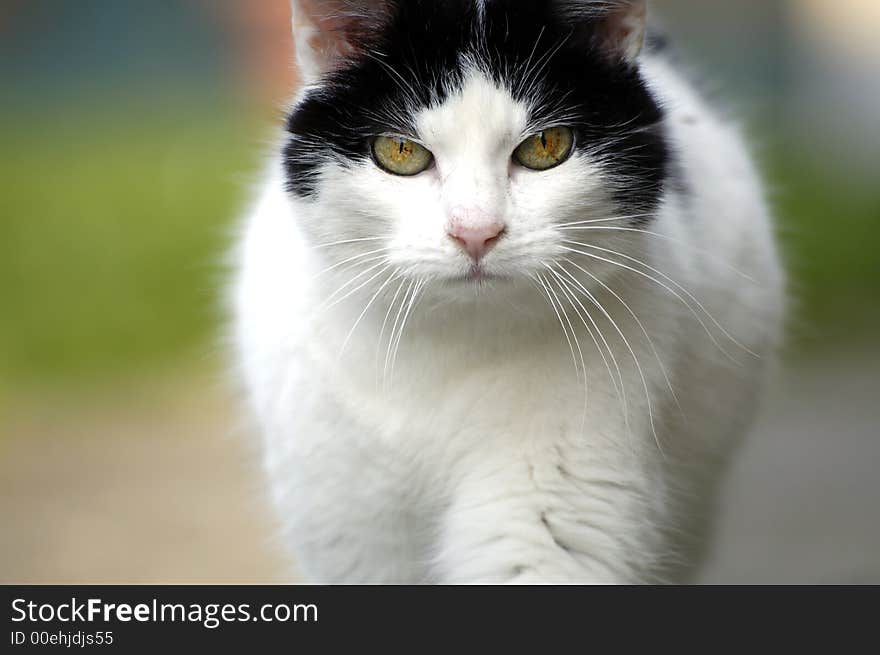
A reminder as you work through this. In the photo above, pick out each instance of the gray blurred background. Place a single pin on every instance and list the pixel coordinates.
(131, 134)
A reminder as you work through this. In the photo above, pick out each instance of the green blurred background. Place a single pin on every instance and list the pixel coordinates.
(130, 131)
(131, 135)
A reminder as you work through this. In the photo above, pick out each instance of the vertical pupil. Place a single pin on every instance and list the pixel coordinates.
(544, 140)
(401, 147)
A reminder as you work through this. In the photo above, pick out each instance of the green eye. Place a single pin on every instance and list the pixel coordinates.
(401, 156)
(545, 150)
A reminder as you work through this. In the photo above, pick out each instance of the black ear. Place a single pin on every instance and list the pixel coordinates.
(617, 27)
(329, 32)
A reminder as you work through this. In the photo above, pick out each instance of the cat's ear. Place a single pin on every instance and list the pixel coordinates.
(329, 32)
(622, 30)
(617, 27)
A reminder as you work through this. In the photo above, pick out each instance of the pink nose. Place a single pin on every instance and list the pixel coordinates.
(475, 231)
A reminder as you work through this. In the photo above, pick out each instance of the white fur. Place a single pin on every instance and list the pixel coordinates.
(478, 458)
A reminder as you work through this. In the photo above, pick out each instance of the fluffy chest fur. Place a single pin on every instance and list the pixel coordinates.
(492, 370)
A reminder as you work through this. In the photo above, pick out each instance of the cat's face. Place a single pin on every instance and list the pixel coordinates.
(460, 143)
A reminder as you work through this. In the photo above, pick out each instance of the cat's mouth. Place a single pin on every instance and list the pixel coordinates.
(479, 275)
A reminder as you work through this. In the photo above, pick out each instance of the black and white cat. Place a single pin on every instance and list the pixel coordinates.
(507, 300)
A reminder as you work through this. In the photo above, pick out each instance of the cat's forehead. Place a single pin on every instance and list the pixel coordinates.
(444, 61)
(447, 38)
(428, 52)
(479, 112)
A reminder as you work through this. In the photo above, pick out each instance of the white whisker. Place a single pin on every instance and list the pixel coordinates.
(385, 322)
(366, 309)
(380, 253)
(346, 241)
(639, 323)
(580, 352)
(326, 306)
(391, 338)
(620, 390)
(673, 282)
(562, 325)
(632, 352)
(603, 220)
(678, 242)
(406, 316)
(667, 288)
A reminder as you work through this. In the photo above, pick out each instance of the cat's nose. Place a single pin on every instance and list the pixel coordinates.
(475, 231)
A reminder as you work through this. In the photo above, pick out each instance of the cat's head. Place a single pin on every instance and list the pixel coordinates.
(458, 143)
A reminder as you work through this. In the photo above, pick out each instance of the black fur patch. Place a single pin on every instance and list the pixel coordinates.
(530, 47)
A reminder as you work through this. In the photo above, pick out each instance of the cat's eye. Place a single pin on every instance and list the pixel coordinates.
(401, 156)
(546, 149)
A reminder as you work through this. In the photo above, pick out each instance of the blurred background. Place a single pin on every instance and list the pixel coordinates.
(131, 135)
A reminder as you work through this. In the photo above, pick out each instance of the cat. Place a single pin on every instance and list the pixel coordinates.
(508, 298)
